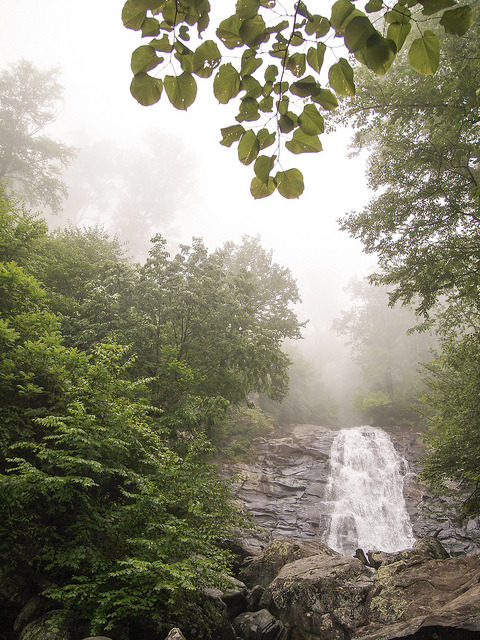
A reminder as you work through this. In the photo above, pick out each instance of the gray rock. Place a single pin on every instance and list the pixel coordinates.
(415, 594)
(259, 625)
(175, 634)
(320, 596)
(254, 597)
(47, 627)
(33, 609)
(263, 568)
(284, 488)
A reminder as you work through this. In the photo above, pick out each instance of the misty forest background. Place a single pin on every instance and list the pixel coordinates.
(129, 365)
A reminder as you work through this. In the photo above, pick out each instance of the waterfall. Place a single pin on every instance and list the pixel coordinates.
(365, 493)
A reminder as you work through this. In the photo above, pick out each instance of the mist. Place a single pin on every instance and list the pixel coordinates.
(142, 171)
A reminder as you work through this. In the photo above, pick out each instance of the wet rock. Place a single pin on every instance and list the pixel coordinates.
(413, 594)
(263, 568)
(259, 625)
(320, 596)
(254, 597)
(284, 488)
(429, 548)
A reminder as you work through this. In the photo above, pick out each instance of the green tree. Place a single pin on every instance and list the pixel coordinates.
(210, 329)
(422, 136)
(31, 162)
(97, 513)
(278, 81)
(453, 381)
(388, 354)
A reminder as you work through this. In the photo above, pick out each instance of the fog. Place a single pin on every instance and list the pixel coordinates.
(145, 170)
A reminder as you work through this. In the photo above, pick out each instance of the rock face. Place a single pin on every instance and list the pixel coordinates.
(320, 596)
(284, 488)
(420, 594)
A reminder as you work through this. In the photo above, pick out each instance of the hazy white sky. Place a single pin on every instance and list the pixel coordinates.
(87, 41)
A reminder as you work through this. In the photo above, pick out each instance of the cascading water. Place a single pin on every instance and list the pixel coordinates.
(365, 493)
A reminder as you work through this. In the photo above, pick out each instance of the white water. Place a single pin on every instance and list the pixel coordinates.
(365, 493)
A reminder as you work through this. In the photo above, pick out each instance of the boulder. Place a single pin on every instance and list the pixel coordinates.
(416, 594)
(262, 569)
(259, 625)
(233, 599)
(429, 548)
(320, 596)
(47, 627)
(175, 634)
(33, 609)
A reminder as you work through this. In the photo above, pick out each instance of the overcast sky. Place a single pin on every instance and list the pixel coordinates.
(88, 42)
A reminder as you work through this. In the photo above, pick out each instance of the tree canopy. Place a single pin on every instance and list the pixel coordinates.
(31, 162)
(423, 224)
(422, 135)
(115, 383)
(271, 59)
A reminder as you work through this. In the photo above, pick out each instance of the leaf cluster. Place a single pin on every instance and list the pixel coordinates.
(277, 79)
(114, 380)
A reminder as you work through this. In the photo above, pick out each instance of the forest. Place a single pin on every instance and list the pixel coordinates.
(124, 380)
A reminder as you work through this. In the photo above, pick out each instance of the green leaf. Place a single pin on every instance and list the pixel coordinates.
(226, 83)
(145, 89)
(289, 183)
(311, 121)
(340, 76)
(280, 87)
(424, 53)
(147, 5)
(183, 32)
(248, 110)
(229, 32)
(262, 167)
(253, 32)
(132, 17)
(305, 87)
(260, 190)
(271, 73)
(250, 62)
(181, 90)
(296, 63)
(231, 134)
(247, 8)
(248, 147)
(206, 58)
(379, 54)
(144, 59)
(457, 21)
(315, 56)
(303, 143)
(266, 105)
(317, 25)
(433, 6)
(342, 12)
(398, 15)
(251, 86)
(285, 123)
(398, 33)
(326, 99)
(150, 27)
(373, 5)
(162, 44)
(357, 33)
(265, 138)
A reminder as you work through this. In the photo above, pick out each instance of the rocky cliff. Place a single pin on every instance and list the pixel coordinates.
(284, 487)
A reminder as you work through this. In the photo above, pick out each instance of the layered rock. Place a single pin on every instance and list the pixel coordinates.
(284, 488)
